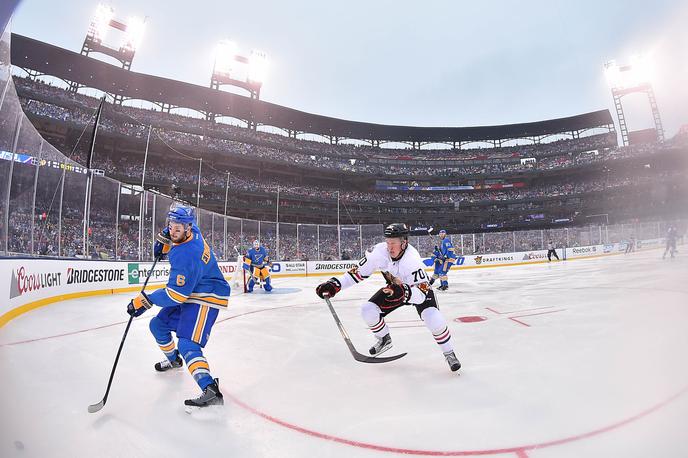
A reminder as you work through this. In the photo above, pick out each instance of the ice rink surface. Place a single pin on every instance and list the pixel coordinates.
(569, 359)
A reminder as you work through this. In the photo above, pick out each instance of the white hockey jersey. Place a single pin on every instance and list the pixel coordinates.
(409, 269)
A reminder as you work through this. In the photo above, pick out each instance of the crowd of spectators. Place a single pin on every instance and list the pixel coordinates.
(175, 131)
(313, 243)
(59, 231)
(214, 184)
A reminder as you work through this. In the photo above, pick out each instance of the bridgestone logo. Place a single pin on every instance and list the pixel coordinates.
(93, 275)
(336, 266)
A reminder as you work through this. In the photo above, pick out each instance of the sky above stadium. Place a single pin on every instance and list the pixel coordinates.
(436, 63)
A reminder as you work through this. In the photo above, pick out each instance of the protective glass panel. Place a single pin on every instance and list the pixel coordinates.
(234, 248)
(218, 244)
(595, 235)
(47, 208)
(128, 223)
(102, 218)
(73, 194)
(9, 114)
(425, 244)
(249, 234)
(372, 235)
(615, 233)
(499, 242)
(268, 237)
(579, 236)
(307, 242)
(528, 240)
(329, 247)
(205, 224)
(468, 245)
(287, 242)
(557, 237)
(22, 189)
(147, 221)
(350, 237)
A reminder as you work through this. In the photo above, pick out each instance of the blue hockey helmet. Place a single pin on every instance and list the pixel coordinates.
(256, 243)
(442, 232)
(180, 213)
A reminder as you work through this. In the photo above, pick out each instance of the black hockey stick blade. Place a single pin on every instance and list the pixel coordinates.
(380, 359)
(93, 408)
(358, 356)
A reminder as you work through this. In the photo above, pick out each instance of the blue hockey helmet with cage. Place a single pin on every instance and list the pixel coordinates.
(183, 214)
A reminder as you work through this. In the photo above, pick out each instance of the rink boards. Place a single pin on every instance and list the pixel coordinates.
(32, 283)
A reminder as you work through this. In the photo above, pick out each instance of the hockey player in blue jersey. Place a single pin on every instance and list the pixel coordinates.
(438, 262)
(190, 302)
(448, 258)
(259, 262)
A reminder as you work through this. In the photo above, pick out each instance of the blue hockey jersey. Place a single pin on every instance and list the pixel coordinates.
(447, 249)
(194, 276)
(259, 258)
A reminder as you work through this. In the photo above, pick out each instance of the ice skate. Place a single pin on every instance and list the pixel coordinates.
(383, 344)
(211, 396)
(453, 361)
(166, 365)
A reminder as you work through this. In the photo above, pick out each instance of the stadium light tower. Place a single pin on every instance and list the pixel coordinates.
(628, 79)
(103, 20)
(229, 64)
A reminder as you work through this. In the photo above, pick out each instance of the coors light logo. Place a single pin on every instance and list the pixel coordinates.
(24, 282)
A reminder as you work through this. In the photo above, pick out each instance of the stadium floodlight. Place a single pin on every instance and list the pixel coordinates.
(635, 77)
(100, 22)
(257, 66)
(133, 33)
(225, 54)
(635, 74)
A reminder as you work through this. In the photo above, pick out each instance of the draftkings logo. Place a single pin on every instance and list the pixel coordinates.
(485, 259)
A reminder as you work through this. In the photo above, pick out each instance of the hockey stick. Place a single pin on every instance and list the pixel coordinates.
(357, 356)
(96, 407)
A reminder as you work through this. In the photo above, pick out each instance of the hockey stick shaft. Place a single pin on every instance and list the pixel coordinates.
(96, 407)
(357, 356)
(345, 334)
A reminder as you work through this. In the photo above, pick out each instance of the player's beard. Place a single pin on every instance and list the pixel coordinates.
(182, 237)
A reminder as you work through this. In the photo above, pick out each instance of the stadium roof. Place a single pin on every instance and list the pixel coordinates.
(51, 60)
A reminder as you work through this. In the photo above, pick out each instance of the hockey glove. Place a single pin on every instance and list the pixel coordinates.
(396, 294)
(163, 243)
(329, 288)
(139, 304)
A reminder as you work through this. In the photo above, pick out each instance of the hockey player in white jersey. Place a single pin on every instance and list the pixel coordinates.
(407, 285)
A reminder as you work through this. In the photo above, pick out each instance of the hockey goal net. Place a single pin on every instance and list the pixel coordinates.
(239, 279)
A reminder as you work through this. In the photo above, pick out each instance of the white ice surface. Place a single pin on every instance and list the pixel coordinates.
(607, 342)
